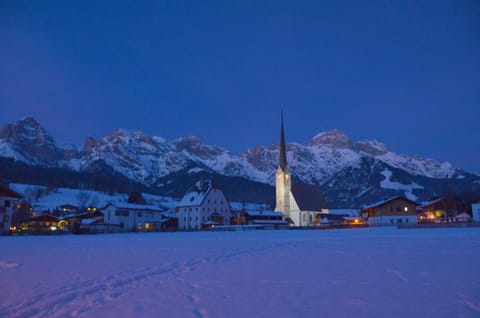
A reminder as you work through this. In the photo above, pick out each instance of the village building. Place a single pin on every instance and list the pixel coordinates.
(71, 222)
(8, 201)
(302, 204)
(440, 210)
(134, 217)
(391, 211)
(40, 224)
(476, 212)
(203, 206)
(265, 218)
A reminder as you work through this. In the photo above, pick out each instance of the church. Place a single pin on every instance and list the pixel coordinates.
(302, 204)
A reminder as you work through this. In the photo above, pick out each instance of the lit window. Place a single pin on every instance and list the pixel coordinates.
(405, 208)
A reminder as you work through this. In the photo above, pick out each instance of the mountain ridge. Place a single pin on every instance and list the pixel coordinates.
(322, 160)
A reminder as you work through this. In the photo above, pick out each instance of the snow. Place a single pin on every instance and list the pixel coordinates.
(55, 197)
(407, 188)
(132, 206)
(372, 272)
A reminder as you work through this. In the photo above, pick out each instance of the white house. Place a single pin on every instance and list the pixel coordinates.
(8, 200)
(476, 212)
(302, 204)
(134, 217)
(391, 211)
(203, 206)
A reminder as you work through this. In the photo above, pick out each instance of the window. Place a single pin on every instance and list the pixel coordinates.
(7, 203)
(196, 209)
(399, 221)
(405, 209)
(391, 221)
(139, 214)
(121, 213)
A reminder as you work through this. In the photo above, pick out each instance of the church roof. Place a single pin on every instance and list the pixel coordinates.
(283, 150)
(308, 197)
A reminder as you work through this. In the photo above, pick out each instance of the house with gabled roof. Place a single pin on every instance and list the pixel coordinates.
(203, 206)
(391, 211)
(302, 204)
(134, 217)
(8, 200)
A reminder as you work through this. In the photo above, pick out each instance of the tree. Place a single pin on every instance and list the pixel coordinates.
(83, 198)
(137, 198)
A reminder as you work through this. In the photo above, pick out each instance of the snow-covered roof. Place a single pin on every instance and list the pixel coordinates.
(196, 194)
(382, 202)
(350, 212)
(269, 222)
(265, 213)
(131, 206)
(424, 204)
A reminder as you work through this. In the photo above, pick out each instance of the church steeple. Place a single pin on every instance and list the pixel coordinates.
(283, 151)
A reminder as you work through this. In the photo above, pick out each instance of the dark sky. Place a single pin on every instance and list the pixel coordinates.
(406, 73)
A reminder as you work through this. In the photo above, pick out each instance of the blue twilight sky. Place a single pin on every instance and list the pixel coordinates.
(406, 73)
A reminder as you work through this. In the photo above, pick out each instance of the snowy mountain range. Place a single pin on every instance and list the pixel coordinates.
(349, 173)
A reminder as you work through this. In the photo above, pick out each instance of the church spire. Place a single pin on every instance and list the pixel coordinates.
(283, 151)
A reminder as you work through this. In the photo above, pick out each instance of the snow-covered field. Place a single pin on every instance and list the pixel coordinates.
(374, 272)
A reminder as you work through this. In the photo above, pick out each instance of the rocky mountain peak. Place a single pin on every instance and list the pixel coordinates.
(371, 147)
(334, 138)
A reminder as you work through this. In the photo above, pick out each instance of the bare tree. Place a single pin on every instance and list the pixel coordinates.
(83, 199)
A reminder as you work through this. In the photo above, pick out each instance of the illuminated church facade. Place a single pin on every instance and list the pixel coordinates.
(301, 204)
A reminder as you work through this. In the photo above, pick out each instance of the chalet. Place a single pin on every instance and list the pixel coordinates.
(71, 222)
(134, 217)
(203, 206)
(8, 200)
(440, 210)
(41, 224)
(302, 204)
(476, 212)
(391, 211)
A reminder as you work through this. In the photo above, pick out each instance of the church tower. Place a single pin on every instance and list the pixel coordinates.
(283, 178)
